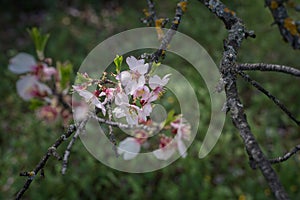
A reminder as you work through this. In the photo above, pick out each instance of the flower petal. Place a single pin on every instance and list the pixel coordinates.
(164, 153)
(133, 63)
(129, 147)
(22, 63)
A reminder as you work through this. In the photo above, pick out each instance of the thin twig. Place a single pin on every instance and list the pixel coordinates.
(180, 9)
(149, 129)
(79, 130)
(111, 135)
(43, 161)
(286, 156)
(268, 94)
(269, 67)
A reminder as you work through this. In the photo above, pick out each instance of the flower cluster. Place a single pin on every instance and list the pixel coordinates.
(132, 95)
(34, 86)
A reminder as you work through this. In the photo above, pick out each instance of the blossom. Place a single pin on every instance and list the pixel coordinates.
(129, 147)
(168, 147)
(124, 109)
(90, 97)
(29, 87)
(48, 113)
(24, 62)
(134, 78)
(108, 93)
(182, 127)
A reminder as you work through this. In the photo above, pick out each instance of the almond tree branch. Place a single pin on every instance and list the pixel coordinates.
(287, 26)
(180, 9)
(286, 156)
(236, 34)
(43, 161)
(79, 130)
(269, 67)
(269, 95)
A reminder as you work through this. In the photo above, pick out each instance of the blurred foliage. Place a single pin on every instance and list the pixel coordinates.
(78, 26)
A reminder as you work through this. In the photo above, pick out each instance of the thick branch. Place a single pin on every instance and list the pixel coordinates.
(269, 67)
(268, 94)
(287, 26)
(43, 161)
(237, 33)
(286, 156)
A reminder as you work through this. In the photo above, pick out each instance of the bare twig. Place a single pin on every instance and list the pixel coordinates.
(149, 129)
(180, 9)
(268, 94)
(150, 14)
(286, 156)
(43, 161)
(79, 130)
(111, 135)
(236, 34)
(268, 67)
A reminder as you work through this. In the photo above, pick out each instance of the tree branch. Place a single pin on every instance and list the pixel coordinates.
(79, 130)
(287, 26)
(269, 95)
(43, 161)
(286, 156)
(237, 33)
(269, 67)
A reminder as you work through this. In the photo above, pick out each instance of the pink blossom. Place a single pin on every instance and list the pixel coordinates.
(129, 147)
(90, 97)
(134, 78)
(124, 109)
(48, 113)
(168, 148)
(182, 127)
(29, 87)
(108, 93)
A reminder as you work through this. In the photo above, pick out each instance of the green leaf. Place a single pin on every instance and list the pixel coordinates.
(35, 103)
(171, 117)
(81, 78)
(40, 41)
(118, 62)
(65, 72)
(154, 67)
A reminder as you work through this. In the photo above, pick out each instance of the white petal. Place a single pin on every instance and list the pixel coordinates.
(129, 148)
(24, 87)
(43, 88)
(125, 77)
(21, 63)
(133, 63)
(164, 153)
(121, 99)
(85, 94)
(143, 69)
(132, 118)
(156, 81)
(181, 148)
(119, 112)
(95, 101)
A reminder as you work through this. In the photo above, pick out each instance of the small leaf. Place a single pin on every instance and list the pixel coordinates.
(65, 71)
(35, 103)
(118, 62)
(171, 117)
(40, 41)
(81, 78)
